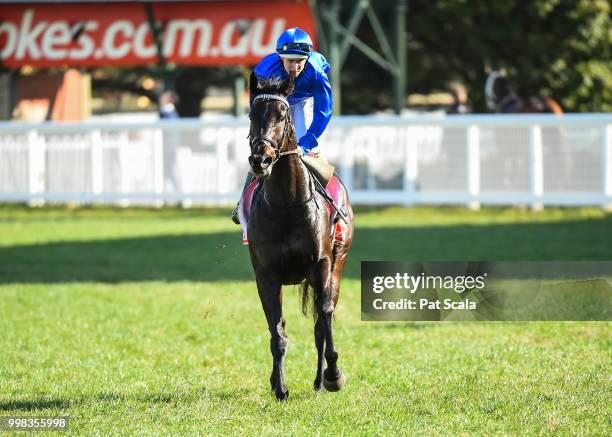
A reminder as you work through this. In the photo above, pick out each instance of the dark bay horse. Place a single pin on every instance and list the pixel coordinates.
(289, 234)
(502, 98)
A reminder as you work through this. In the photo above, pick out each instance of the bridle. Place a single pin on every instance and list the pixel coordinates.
(276, 146)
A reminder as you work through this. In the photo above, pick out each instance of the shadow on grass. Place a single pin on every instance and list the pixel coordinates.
(41, 404)
(61, 212)
(403, 326)
(221, 256)
(34, 404)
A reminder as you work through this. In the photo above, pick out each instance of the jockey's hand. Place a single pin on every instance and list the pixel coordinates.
(312, 153)
(308, 142)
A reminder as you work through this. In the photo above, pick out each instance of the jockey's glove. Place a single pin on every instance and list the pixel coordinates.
(308, 142)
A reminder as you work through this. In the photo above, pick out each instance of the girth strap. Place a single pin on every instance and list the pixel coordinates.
(321, 189)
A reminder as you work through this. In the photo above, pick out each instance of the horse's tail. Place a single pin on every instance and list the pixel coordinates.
(309, 300)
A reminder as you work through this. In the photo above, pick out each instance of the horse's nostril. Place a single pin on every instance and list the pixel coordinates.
(267, 161)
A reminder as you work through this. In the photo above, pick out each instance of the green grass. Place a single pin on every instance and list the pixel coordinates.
(148, 321)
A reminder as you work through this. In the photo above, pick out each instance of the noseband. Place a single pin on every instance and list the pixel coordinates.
(275, 145)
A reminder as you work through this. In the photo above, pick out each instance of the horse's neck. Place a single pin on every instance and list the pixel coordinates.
(289, 184)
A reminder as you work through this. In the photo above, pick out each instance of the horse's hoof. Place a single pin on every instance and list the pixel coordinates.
(282, 396)
(317, 385)
(334, 384)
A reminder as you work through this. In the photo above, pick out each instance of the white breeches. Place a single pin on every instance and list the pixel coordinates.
(301, 113)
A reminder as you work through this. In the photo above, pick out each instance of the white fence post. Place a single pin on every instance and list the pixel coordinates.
(411, 169)
(158, 167)
(347, 160)
(606, 166)
(222, 150)
(36, 168)
(124, 143)
(97, 168)
(536, 164)
(472, 162)
(370, 176)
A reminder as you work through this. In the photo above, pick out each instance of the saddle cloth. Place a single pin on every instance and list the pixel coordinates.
(335, 190)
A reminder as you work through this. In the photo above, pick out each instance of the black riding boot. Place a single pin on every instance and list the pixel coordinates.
(247, 182)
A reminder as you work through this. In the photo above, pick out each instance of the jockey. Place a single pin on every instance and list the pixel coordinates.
(311, 101)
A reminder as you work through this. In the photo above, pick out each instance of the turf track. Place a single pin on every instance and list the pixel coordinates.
(147, 321)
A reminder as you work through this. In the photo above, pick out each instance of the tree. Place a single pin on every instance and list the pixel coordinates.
(556, 48)
(559, 48)
(190, 83)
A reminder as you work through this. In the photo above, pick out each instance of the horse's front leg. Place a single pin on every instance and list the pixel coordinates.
(319, 334)
(326, 290)
(270, 293)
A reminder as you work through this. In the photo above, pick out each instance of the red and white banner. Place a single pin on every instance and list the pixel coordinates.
(108, 34)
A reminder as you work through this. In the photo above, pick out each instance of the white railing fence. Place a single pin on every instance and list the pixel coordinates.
(534, 160)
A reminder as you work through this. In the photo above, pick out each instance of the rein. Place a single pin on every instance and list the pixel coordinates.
(297, 205)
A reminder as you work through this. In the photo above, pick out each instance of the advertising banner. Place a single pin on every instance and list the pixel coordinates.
(103, 34)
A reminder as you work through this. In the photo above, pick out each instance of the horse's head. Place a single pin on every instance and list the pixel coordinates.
(271, 134)
(497, 88)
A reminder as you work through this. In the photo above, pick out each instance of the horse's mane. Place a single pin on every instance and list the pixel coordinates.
(271, 85)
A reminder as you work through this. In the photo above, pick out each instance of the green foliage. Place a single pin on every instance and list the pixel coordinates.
(190, 83)
(148, 322)
(556, 48)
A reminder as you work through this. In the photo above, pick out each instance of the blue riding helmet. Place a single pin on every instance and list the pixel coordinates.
(294, 41)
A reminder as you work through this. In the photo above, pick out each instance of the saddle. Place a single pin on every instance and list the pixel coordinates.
(327, 184)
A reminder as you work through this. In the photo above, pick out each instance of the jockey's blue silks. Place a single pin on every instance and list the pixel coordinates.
(311, 83)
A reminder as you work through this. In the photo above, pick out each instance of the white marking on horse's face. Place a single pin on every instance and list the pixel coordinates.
(489, 94)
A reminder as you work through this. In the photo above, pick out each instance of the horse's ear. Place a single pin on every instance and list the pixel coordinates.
(288, 85)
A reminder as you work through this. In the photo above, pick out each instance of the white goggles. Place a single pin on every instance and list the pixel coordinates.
(293, 56)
